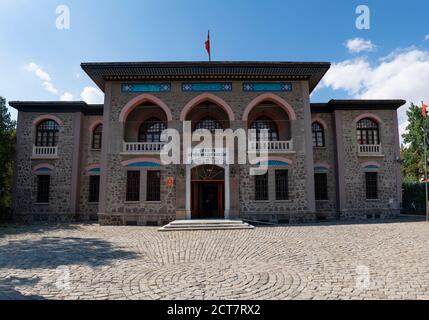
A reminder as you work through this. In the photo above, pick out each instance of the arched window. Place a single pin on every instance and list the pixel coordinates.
(265, 123)
(47, 134)
(151, 130)
(318, 135)
(368, 132)
(208, 123)
(97, 136)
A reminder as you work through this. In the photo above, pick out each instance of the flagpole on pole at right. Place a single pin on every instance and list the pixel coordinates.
(425, 143)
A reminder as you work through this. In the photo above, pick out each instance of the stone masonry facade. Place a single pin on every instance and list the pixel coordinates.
(236, 95)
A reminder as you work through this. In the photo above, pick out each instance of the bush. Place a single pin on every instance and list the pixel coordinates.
(414, 194)
(5, 214)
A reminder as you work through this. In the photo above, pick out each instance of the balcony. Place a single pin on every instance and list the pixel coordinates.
(370, 150)
(142, 147)
(45, 152)
(271, 146)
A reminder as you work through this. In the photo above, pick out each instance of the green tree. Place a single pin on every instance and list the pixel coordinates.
(7, 152)
(412, 151)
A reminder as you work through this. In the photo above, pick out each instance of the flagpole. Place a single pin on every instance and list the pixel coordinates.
(426, 165)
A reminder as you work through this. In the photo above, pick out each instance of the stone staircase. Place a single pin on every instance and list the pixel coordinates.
(193, 225)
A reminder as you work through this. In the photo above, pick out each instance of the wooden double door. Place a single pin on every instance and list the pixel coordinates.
(208, 200)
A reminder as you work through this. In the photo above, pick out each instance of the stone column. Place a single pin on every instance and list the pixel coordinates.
(75, 174)
(188, 192)
(309, 161)
(339, 144)
(227, 192)
(105, 148)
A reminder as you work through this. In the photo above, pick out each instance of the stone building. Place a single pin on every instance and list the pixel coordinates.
(335, 160)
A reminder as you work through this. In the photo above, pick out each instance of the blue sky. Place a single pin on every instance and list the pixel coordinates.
(396, 52)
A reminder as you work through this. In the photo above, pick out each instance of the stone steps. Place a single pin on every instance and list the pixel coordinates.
(193, 225)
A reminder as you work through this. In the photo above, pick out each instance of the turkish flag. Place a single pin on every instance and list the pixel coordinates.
(424, 110)
(208, 47)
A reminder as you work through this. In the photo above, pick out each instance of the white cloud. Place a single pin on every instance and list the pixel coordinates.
(92, 95)
(67, 96)
(42, 75)
(357, 45)
(427, 37)
(404, 74)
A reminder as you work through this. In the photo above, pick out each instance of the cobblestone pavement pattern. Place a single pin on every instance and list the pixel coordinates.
(356, 261)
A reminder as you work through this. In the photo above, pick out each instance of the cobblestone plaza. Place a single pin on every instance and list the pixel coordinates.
(326, 261)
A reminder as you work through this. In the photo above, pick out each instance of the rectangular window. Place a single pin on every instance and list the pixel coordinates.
(43, 185)
(282, 185)
(321, 186)
(96, 141)
(153, 191)
(94, 188)
(371, 182)
(261, 187)
(133, 186)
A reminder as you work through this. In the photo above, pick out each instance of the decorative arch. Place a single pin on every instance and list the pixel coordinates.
(203, 98)
(142, 162)
(320, 121)
(371, 166)
(272, 98)
(45, 117)
(370, 116)
(94, 125)
(43, 168)
(143, 98)
(93, 169)
(274, 161)
(321, 167)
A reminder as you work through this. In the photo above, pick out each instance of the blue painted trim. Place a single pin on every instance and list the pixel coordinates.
(372, 167)
(144, 164)
(95, 170)
(43, 170)
(268, 87)
(146, 87)
(321, 170)
(207, 87)
(274, 163)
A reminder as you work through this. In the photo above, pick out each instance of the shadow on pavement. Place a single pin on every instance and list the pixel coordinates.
(16, 229)
(52, 252)
(8, 291)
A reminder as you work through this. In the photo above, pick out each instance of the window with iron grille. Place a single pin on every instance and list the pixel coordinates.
(133, 186)
(43, 186)
(94, 188)
(321, 186)
(318, 135)
(265, 123)
(261, 187)
(208, 123)
(282, 185)
(151, 130)
(368, 132)
(97, 137)
(47, 134)
(371, 181)
(153, 191)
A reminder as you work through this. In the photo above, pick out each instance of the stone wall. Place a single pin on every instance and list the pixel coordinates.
(89, 157)
(70, 177)
(176, 100)
(327, 156)
(60, 206)
(353, 182)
